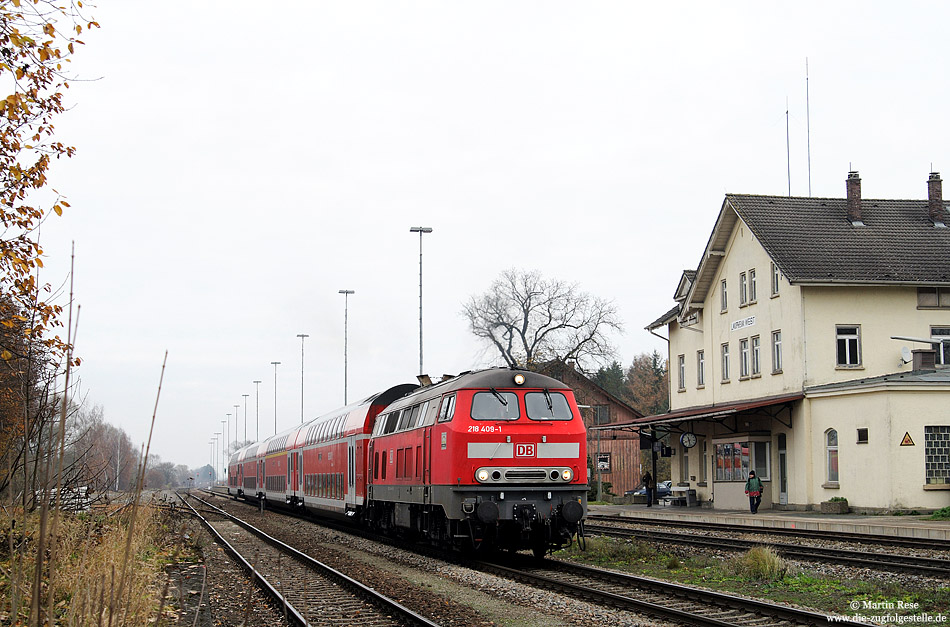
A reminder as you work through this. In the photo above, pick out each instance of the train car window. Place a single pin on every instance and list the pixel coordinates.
(495, 405)
(547, 406)
(447, 410)
(339, 427)
(380, 421)
(421, 417)
(392, 421)
(409, 417)
(405, 418)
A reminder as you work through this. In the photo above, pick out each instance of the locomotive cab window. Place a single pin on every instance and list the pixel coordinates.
(495, 405)
(547, 406)
(447, 410)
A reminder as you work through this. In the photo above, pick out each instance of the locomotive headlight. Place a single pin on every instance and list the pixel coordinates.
(482, 475)
(519, 379)
(567, 474)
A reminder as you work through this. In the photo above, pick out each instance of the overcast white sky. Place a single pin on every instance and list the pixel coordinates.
(240, 162)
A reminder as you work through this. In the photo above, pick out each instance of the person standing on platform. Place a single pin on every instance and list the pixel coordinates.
(753, 487)
(650, 486)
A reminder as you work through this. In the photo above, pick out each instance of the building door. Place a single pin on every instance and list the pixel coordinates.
(782, 471)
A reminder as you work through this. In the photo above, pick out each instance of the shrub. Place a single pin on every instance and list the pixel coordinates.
(837, 499)
(940, 514)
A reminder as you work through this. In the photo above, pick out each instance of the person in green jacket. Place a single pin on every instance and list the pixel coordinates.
(753, 487)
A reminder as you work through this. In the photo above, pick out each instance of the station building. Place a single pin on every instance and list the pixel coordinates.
(809, 345)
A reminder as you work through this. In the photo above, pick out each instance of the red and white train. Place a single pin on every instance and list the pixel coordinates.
(490, 458)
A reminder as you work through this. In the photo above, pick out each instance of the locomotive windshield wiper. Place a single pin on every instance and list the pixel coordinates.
(500, 398)
(547, 398)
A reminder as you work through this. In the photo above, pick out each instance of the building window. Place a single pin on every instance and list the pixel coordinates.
(831, 455)
(943, 348)
(933, 297)
(704, 472)
(744, 358)
(723, 299)
(735, 459)
(937, 454)
(725, 361)
(684, 464)
(849, 346)
(775, 279)
(756, 361)
(863, 435)
(743, 290)
(752, 298)
(700, 368)
(681, 370)
(776, 352)
(601, 414)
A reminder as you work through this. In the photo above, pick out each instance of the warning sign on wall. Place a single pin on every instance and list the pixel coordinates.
(907, 441)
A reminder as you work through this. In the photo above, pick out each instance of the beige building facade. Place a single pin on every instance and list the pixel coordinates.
(807, 346)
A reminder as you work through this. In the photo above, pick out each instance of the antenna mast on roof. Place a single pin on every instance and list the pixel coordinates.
(788, 151)
(808, 125)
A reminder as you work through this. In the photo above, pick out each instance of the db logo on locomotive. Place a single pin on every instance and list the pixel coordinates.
(524, 450)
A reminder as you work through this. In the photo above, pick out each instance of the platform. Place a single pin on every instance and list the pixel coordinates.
(900, 526)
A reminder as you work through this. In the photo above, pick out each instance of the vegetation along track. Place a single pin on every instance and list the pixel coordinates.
(667, 601)
(863, 559)
(310, 592)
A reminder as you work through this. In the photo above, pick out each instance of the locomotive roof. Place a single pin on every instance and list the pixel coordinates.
(481, 379)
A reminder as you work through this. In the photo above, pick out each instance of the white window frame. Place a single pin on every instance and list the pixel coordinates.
(776, 351)
(938, 332)
(725, 361)
(832, 450)
(752, 294)
(723, 297)
(851, 344)
(681, 371)
(700, 369)
(744, 358)
(776, 278)
(743, 290)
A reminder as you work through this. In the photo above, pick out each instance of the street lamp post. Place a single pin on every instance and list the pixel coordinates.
(301, 336)
(224, 446)
(346, 314)
(214, 463)
(257, 420)
(236, 408)
(245, 415)
(275, 363)
(421, 230)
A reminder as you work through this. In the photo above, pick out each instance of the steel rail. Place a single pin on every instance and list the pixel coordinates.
(401, 613)
(821, 534)
(864, 559)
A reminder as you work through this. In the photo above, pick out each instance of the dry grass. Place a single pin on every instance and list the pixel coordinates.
(90, 553)
(761, 563)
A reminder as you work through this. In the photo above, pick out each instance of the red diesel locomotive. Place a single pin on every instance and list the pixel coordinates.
(494, 458)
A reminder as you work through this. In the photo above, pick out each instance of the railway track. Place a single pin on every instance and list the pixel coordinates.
(660, 599)
(861, 559)
(666, 601)
(310, 593)
(818, 534)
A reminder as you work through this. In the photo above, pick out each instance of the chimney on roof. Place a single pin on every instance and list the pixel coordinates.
(925, 359)
(854, 198)
(935, 199)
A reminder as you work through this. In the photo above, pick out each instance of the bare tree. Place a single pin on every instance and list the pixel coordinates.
(530, 320)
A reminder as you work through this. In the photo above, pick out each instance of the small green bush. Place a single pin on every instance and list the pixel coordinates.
(759, 562)
(837, 499)
(940, 514)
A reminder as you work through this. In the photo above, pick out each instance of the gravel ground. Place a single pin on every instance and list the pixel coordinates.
(445, 593)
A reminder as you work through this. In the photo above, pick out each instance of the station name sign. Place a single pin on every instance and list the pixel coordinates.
(744, 323)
